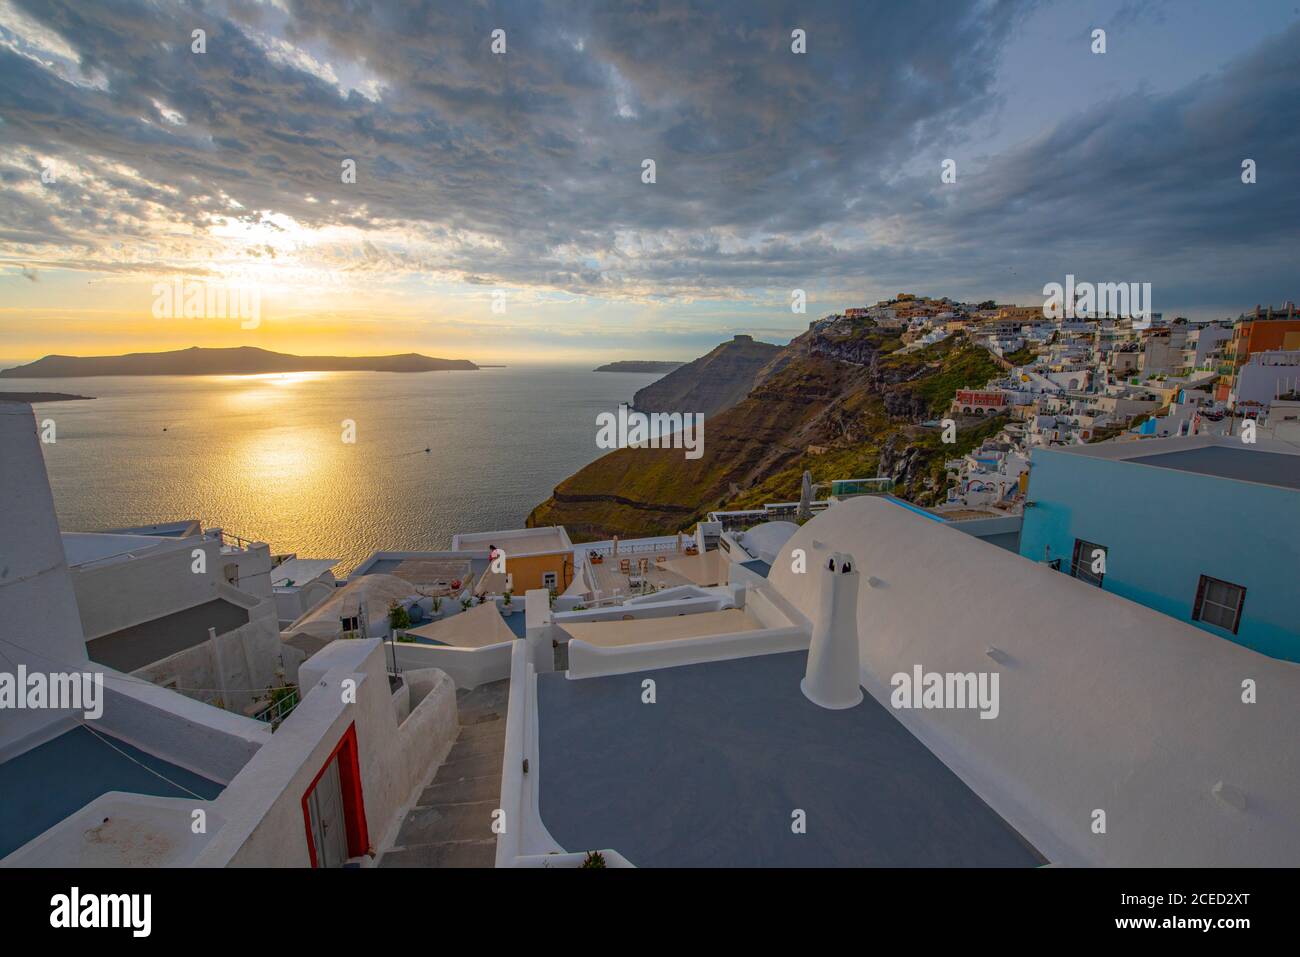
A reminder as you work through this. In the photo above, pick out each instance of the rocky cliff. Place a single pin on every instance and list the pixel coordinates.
(712, 382)
(840, 401)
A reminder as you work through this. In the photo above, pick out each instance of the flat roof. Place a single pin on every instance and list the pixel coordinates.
(42, 786)
(524, 541)
(638, 631)
(406, 567)
(296, 572)
(1231, 462)
(143, 644)
(182, 529)
(711, 774)
(80, 548)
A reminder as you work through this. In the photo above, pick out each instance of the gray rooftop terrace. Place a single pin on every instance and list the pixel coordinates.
(710, 775)
(1242, 464)
(150, 641)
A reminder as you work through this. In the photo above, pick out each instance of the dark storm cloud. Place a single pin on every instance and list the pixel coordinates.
(773, 169)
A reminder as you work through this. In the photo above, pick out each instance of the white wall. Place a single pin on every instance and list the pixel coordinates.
(117, 595)
(249, 657)
(467, 667)
(39, 622)
(263, 805)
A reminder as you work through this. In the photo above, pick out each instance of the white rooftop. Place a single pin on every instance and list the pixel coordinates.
(1105, 704)
(297, 572)
(82, 548)
(519, 541)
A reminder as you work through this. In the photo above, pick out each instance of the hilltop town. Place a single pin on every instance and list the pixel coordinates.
(867, 393)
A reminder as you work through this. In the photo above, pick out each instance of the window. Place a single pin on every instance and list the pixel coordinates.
(548, 579)
(1089, 562)
(1219, 603)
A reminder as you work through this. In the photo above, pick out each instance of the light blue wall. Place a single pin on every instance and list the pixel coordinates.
(1164, 529)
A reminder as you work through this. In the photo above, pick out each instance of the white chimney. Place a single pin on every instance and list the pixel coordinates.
(832, 675)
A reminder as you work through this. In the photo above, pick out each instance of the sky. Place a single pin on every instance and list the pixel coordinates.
(499, 210)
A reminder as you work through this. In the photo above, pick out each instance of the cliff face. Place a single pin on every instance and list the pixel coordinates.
(837, 401)
(712, 382)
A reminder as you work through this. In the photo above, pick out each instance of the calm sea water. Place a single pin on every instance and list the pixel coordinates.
(263, 456)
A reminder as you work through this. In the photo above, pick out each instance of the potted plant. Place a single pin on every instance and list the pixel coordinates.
(398, 617)
(436, 604)
(593, 859)
(465, 603)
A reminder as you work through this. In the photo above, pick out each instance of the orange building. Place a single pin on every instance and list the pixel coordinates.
(1264, 332)
(529, 558)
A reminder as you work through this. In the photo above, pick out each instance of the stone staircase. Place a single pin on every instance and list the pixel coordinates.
(451, 822)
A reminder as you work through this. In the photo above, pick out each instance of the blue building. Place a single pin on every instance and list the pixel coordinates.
(1205, 529)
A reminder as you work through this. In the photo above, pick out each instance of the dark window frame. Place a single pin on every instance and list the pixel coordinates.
(1198, 606)
(1082, 570)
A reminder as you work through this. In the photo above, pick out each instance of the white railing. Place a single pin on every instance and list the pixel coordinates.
(641, 546)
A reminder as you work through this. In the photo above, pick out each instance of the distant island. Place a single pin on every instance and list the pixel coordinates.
(640, 365)
(245, 360)
(30, 397)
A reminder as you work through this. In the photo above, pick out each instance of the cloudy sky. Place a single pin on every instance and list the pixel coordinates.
(127, 158)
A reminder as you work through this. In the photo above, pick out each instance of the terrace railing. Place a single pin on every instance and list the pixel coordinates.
(636, 547)
(845, 488)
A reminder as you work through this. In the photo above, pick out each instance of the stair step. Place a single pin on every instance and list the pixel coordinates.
(475, 766)
(448, 823)
(463, 791)
(457, 854)
(483, 729)
(464, 750)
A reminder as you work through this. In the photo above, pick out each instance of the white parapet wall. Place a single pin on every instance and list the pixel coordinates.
(258, 819)
(525, 842)
(467, 667)
(587, 660)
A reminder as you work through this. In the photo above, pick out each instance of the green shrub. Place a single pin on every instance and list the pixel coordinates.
(398, 617)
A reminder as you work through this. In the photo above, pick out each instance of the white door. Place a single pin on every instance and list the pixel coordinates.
(329, 832)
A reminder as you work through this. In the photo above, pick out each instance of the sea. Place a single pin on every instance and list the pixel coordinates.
(268, 457)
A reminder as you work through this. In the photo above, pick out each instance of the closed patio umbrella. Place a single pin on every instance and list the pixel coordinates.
(805, 498)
